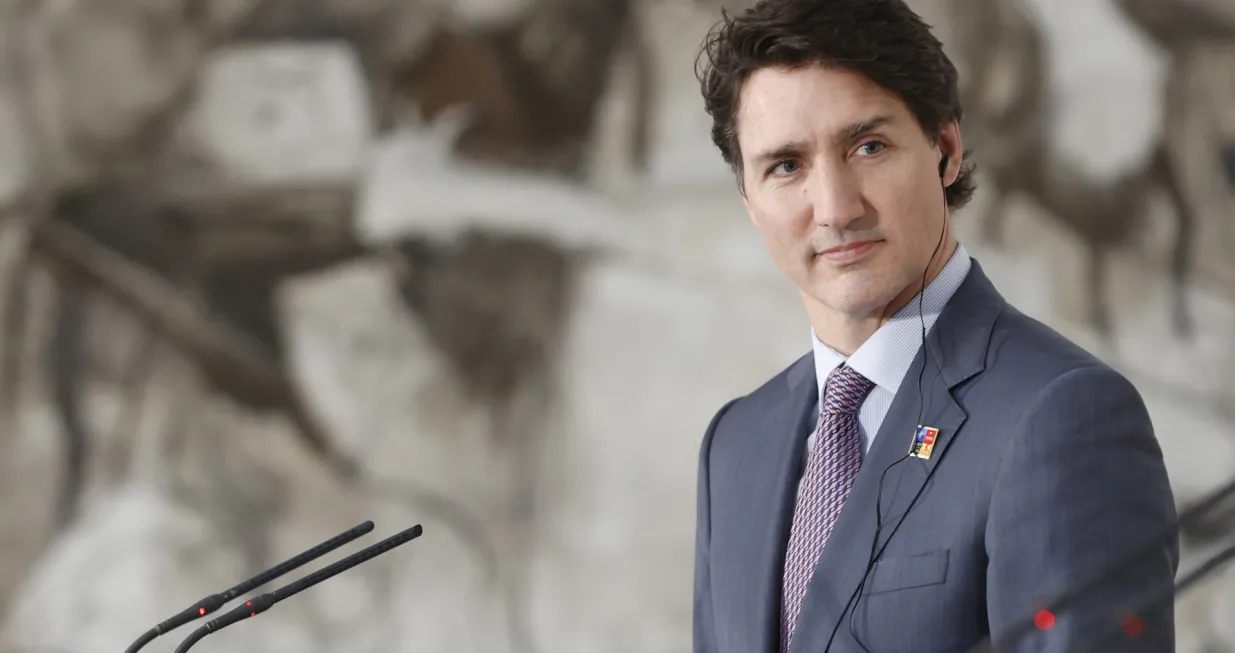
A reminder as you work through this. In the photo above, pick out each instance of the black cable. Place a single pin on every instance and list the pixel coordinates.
(872, 558)
(877, 551)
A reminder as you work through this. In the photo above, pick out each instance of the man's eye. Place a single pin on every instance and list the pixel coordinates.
(871, 148)
(786, 167)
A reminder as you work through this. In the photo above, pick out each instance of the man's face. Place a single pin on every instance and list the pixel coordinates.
(844, 185)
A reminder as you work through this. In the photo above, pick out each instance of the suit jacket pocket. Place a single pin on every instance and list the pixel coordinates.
(906, 572)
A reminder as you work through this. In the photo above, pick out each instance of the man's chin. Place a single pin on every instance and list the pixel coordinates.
(853, 297)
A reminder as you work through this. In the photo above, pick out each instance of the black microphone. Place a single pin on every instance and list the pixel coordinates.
(1069, 598)
(216, 601)
(262, 603)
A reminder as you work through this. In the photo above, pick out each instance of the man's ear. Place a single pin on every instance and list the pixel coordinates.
(951, 147)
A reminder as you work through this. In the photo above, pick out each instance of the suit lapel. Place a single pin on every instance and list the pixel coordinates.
(779, 444)
(958, 344)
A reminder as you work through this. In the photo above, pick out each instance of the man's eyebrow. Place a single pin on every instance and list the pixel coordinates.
(795, 149)
(852, 131)
(786, 151)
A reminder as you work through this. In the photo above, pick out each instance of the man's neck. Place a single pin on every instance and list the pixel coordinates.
(842, 335)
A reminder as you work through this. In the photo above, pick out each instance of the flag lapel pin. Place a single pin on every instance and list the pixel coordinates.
(923, 442)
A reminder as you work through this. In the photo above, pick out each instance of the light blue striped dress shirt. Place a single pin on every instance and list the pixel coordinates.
(885, 357)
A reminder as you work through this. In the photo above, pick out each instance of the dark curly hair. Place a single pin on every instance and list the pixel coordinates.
(881, 39)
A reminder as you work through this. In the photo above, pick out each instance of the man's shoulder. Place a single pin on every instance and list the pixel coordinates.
(1022, 354)
(1026, 350)
(1031, 367)
(771, 394)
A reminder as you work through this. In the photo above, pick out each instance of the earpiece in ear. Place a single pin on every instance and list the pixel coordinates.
(943, 166)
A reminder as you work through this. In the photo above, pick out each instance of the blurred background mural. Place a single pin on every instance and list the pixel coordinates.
(274, 267)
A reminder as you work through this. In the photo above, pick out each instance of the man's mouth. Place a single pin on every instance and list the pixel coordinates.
(849, 252)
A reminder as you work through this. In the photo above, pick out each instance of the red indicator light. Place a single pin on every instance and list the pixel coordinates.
(201, 611)
(248, 604)
(1044, 620)
(1133, 626)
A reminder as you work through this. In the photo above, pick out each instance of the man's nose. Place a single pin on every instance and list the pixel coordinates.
(837, 199)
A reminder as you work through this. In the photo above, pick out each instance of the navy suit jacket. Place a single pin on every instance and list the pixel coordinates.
(1045, 473)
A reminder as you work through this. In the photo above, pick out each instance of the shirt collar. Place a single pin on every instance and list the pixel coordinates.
(885, 357)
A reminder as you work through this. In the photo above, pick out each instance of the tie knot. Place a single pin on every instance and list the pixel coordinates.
(845, 391)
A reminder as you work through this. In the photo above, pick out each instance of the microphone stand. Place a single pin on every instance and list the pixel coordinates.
(215, 601)
(1072, 596)
(1157, 598)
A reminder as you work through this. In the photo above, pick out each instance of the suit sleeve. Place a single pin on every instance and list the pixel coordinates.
(704, 627)
(1082, 487)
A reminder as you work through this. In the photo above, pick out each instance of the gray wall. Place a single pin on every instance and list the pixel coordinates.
(249, 244)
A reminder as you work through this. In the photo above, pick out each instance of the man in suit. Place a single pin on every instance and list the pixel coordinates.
(1038, 467)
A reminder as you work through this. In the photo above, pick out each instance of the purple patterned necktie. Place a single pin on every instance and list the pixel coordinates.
(830, 469)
